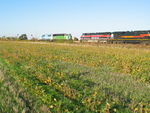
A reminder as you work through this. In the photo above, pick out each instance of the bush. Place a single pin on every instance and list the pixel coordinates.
(76, 39)
(23, 37)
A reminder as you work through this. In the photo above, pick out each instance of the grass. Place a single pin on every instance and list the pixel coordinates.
(16, 99)
(70, 78)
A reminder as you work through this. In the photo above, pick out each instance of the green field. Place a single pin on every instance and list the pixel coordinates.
(72, 78)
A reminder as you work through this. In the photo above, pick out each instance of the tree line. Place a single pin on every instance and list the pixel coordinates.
(21, 37)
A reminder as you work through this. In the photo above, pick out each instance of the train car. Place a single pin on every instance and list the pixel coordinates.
(131, 37)
(52, 37)
(46, 37)
(62, 36)
(96, 37)
(118, 37)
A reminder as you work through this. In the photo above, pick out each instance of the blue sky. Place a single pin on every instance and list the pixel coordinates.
(72, 16)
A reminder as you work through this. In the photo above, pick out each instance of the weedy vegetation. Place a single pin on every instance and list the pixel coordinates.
(71, 78)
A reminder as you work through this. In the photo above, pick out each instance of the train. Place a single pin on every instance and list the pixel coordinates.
(118, 37)
(141, 36)
(52, 37)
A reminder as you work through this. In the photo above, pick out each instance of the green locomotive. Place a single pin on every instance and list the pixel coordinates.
(62, 36)
(56, 37)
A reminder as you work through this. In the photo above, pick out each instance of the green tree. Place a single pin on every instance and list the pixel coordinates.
(23, 37)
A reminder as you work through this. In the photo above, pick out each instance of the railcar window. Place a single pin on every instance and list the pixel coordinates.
(43, 35)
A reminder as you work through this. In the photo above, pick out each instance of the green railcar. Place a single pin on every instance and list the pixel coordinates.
(62, 36)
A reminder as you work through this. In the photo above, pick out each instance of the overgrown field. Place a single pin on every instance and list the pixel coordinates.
(61, 78)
